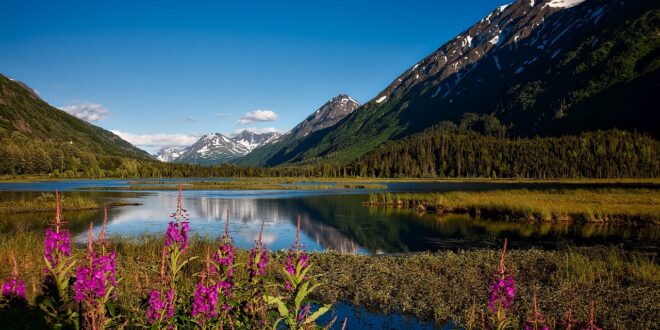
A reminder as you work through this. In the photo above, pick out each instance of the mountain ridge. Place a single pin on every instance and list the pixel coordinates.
(536, 65)
(22, 111)
(316, 124)
(216, 148)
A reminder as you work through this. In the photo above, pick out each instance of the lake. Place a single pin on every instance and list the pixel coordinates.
(330, 219)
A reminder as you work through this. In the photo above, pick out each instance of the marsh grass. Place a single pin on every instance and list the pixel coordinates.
(634, 205)
(46, 203)
(245, 185)
(432, 286)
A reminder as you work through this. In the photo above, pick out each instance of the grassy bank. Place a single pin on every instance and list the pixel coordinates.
(635, 206)
(46, 203)
(245, 185)
(433, 286)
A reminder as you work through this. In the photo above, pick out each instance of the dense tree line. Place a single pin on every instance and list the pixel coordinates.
(451, 150)
(476, 147)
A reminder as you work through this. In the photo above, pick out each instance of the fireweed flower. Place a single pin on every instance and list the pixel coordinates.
(502, 291)
(160, 305)
(296, 257)
(177, 235)
(13, 287)
(223, 259)
(57, 242)
(205, 301)
(258, 257)
(93, 280)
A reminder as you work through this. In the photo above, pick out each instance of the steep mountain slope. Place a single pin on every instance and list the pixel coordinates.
(216, 148)
(23, 113)
(549, 67)
(315, 125)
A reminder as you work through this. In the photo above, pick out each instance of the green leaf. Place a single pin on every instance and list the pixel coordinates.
(322, 310)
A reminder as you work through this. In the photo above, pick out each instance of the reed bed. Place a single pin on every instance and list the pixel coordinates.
(632, 206)
(46, 203)
(437, 286)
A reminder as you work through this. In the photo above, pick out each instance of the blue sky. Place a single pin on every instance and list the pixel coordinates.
(165, 72)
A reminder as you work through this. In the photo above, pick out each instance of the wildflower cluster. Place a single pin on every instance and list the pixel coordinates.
(13, 287)
(55, 297)
(95, 282)
(161, 306)
(205, 301)
(162, 310)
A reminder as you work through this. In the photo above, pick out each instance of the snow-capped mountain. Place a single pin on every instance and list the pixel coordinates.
(251, 140)
(216, 148)
(326, 116)
(168, 154)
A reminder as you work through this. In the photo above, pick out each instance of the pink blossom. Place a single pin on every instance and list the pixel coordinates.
(13, 287)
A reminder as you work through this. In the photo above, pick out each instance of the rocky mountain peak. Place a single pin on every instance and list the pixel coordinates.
(326, 116)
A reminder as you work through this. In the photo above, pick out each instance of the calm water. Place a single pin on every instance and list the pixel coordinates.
(330, 219)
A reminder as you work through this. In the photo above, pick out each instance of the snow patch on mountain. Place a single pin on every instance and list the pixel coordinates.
(564, 3)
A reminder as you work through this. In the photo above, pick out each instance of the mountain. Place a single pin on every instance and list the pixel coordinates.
(168, 154)
(326, 116)
(251, 140)
(216, 148)
(541, 68)
(316, 124)
(27, 121)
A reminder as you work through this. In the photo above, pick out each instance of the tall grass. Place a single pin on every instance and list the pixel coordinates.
(588, 205)
(46, 202)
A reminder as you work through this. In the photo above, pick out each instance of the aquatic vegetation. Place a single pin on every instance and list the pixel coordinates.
(633, 205)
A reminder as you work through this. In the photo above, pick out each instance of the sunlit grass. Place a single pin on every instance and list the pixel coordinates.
(590, 205)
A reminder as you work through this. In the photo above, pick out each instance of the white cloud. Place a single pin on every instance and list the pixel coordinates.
(87, 111)
(257, 116)
(157, 140)
(257, 130)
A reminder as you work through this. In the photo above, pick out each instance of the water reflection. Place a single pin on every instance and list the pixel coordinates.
(329, 220)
